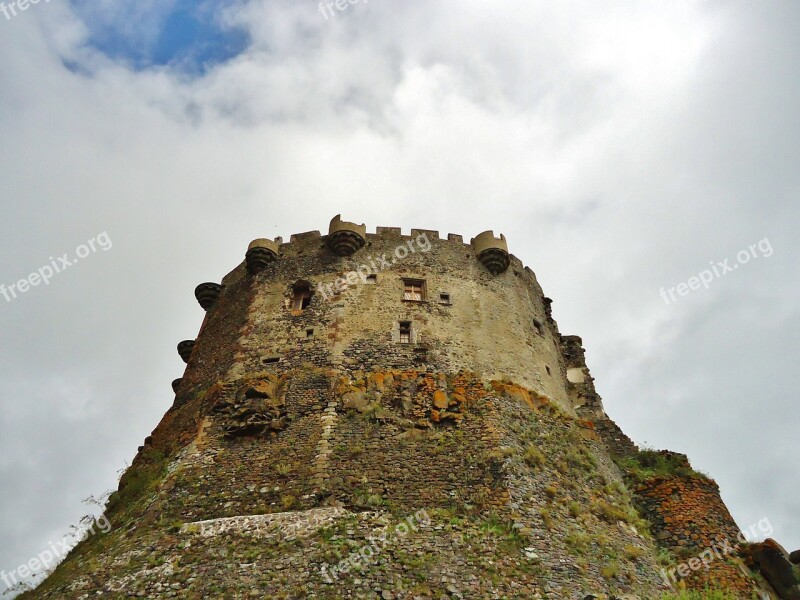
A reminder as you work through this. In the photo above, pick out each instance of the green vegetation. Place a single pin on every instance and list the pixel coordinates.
(283, 468)
(704, 595)
(632, 552)
(612, 513)
(610, 570)
(581, 458)
(664, 558)
(551, 491)
(533, 456)
(138, 480)
(547, 517)
(366, 498)
(357, 449)
(648, 463)
(575, 509)
(578, 541)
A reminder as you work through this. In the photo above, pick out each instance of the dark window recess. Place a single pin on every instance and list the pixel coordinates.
(309, 333)
(271, 360)
(539, 327)
(405, 332)
(372, 278)
(301, 296)
(414, 289)
(444, 298)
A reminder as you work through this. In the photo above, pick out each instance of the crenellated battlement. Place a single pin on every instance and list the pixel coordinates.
(484, 240)
(347, 238)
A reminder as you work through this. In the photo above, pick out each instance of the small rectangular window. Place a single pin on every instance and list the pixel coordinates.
(444, 298)
(309, 333)
(405, 332)
(372, 278)
(414, 289)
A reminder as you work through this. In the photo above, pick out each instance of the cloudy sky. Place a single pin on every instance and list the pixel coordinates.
(622, 146)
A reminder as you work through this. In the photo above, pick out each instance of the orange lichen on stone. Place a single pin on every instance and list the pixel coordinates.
(377, 380)
(519, 394)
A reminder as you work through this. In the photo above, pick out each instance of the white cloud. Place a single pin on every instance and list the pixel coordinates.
(619, 146)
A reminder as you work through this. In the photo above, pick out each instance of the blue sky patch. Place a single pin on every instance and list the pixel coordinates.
(184, 34)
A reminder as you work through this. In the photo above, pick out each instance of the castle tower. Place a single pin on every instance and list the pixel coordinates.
(383, 415)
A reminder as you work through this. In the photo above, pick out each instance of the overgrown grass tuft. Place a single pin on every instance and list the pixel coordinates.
(649, 463)
(704, 595)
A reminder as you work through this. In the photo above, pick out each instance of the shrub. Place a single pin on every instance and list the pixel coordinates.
(610, 570)
(648, 463)
(632, 552)
(533, 456)
(578, 540)
(283, 469)
(611, 513)
(581, 458)
(664, 558)
(547, 518)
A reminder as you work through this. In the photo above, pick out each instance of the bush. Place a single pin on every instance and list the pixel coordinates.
(612, 514)
(547, 517)
(632, 552)
(610, 571)
(578, 540)
(581, 458)
(648, 463)
(533, 456)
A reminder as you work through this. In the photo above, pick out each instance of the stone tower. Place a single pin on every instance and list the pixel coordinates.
(394, 416)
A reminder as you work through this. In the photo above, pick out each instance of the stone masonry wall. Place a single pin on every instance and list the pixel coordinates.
(494, 325)
(687, 516)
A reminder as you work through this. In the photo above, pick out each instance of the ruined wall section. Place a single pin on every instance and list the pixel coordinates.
(580, 383)
(688, 517)
(304, 440)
